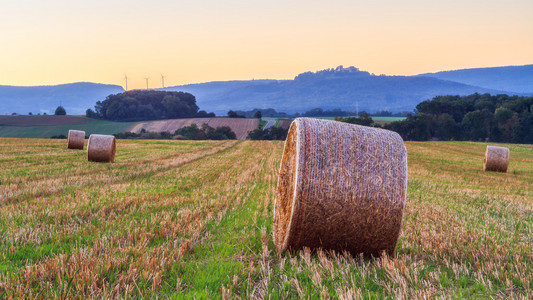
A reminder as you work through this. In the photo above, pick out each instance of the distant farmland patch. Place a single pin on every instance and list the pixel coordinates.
(47, 126)
(42, 120)
(285, 123)
(269, 124)
(241, 127)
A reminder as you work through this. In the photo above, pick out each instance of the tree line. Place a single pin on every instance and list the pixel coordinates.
(192, 132)
(315, 112)
(498, 118)
(272, 133)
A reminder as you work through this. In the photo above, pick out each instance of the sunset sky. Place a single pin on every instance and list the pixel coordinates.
(191, 41)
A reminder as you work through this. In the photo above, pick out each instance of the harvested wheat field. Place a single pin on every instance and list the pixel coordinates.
(241, 127)
(194, 219)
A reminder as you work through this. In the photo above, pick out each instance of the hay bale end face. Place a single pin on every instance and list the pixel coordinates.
(496, 159)
(76, 139)
(340, 187)
(101, 148)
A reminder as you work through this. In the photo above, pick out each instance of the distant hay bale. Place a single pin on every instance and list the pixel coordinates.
(101, 148)
(76, 139)
(340, 187)
(496, 159)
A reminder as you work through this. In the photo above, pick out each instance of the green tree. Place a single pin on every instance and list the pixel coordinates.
(207, 132)
(477, 125)
(523, 131)
(446, 127)
(89, 113)
(222, 133)
(477, 117)
(502, 115)
(258, 114)
(60, 111)
(174, 107)
(364, 119)
(277, 133)
(508, 128)
(191, 132)
(146, 105)
(256, 134)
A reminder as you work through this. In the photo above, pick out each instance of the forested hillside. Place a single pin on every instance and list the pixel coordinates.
(475, 117)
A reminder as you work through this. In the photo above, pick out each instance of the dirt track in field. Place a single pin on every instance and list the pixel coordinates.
(241, 127)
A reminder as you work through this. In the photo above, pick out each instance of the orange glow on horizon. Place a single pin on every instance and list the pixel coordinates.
(57, 42)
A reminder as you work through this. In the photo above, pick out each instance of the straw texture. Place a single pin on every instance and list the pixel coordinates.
(496, 159)
(101, 148)
(340, 187)
(76, 139)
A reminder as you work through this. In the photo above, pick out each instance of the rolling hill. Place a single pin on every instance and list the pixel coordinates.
(511, 78)
(344, 88)
(74, 97)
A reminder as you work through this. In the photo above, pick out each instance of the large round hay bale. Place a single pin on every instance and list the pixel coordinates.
(496, 159)
(101, 148)
(340, 187)
(76, 139)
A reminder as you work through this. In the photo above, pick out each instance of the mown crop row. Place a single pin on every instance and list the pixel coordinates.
(174, 218)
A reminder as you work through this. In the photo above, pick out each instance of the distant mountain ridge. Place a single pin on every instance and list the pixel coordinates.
(74, 97)
(518, 79)
(343, 88)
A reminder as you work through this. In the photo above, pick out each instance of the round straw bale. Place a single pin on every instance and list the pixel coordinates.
(76, 139)
(496, 159)
(101, 148)
(340, 187)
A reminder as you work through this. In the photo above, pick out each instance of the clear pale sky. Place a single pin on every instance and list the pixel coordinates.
(190, 41)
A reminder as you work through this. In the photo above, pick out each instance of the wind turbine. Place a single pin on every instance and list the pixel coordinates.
(146, 78)
(163, 80)
(126, 79)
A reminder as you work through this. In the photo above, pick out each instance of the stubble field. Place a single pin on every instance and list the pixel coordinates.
(194, 219)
